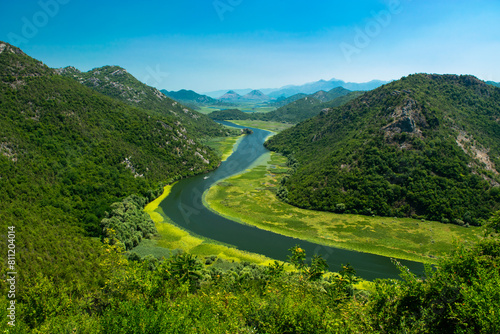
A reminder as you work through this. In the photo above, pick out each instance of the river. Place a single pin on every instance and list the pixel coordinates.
(184, 206)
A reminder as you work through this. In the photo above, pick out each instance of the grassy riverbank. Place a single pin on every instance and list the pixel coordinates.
(264, 125)
(224, 146)
(250, 198)
(172, 237)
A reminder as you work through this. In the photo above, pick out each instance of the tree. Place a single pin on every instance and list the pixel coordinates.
(494, 222)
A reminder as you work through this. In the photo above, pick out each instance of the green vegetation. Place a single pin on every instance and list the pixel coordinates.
(117, 83)
(231, 114)
(224, 146)
(213, 296)
(128, 223)
(67, 153)
(426, 146)
(250, 198)
(294, 112)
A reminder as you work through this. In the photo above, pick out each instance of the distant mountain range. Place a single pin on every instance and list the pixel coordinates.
(308, 88)
(496, 84)
(252, 96)
(193, 99)
(294, 109)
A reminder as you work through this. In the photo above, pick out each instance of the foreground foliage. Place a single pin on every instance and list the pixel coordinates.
(185, 294)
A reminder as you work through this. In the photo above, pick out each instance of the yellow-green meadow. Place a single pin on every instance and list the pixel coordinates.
(249, 198)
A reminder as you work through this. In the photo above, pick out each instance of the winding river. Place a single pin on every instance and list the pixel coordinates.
(184, 206)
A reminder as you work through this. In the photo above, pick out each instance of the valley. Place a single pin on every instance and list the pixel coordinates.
(307, 212)
(250, 198)
(184, 208)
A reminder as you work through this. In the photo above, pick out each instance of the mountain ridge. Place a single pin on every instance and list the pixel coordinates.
(307, 88)
(422, 132)
(192, 99)
(116, 82)
(255, 95)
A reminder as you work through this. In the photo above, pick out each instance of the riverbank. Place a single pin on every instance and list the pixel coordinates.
(249, 198)
(173, 237)
(274, 127)
(224, 146)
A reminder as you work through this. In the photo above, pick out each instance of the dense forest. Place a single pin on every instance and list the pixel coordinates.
(76, 169)
(426, 146)
(116, 82)
(67, 153)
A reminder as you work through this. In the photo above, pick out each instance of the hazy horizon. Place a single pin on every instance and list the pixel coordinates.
(216, 45)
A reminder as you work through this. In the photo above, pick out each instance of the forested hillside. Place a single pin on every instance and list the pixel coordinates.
(75, 163)
(116, 82)
(309, 106)
(425, 146)
(67, 153)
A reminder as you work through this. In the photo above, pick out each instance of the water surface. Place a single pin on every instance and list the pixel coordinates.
(184, 206)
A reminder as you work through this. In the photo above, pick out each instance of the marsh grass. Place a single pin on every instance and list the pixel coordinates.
(250, 198)
(172, 237)
(224, 146)
(275, 127)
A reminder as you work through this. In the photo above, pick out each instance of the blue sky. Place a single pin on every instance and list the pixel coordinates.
(207, 45)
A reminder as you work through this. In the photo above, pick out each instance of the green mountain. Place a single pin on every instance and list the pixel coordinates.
(191, 98)
(331, 94)
(310, 106)
(230, 96)
(282, 101)
(67, 153)
(321, 96)
(256, 96)
(425, 146)
(496, 84)
(116, 82)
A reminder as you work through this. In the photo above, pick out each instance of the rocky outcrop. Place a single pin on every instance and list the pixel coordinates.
(406, 118)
